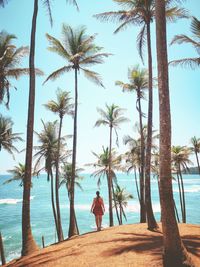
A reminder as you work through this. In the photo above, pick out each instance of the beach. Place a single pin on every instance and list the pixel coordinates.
(41, 211)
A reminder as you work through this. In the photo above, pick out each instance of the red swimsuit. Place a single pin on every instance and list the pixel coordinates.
(98, 210)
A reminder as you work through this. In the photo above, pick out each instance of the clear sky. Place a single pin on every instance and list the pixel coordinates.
(16, 18)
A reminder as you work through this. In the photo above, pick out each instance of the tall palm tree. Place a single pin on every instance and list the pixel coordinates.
(195, 42)
(142, 13)
(28, 243)
(122, 198)
(138, 83)
(103, 169)
(62, 107)
(47, 151)
(79, 51)
(180, 161)
(17, 174)
(10, 59)
(7, 137)
(196, 148)
(112, 118)
(175, 253)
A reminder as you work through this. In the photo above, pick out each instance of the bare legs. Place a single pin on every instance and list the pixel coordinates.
(98, 219)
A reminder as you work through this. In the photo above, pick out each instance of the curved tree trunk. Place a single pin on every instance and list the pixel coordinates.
(110, 180)
(174, 253)
(148, 204)
(52, 203)
(136, 184)
(28, 243)
(142, 151)
(115, 203)
(197, 161)
(183, 196)
(73, 228)
(60, 232)
(180, 195)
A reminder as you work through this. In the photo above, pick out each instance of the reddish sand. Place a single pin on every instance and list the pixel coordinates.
(127, 245)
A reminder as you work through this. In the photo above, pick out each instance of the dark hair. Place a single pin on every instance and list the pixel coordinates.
(97, 193)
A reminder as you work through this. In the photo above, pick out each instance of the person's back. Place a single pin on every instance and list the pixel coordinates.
(98, 209)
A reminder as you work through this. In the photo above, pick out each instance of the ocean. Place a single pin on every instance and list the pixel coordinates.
(41, 211)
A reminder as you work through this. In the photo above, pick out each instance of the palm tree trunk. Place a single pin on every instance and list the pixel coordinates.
(174, 253)
(176, 212)
(136, 184)
(28, 243)
(180, 195)
(60, 232)
(115, 203)
(110, 179)
(52, 203)
(197, 161)
(142, 149)
(73, 228)
(148, 204)
(183, 196)
(120, 208)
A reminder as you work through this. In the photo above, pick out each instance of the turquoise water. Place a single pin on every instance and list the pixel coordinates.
(41, 211)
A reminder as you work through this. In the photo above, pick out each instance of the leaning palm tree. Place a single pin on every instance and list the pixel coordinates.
(175, 253)
(7, 137)
(196, 149)
(46, 151)
(79, 51)
(180, 161)
(195, 42)
(138, 84)
(122, 198)
(10, 59)
(62, 107)
(28, 243)
(142, 13)
(101, 165)
(112, 118)
(17, 174)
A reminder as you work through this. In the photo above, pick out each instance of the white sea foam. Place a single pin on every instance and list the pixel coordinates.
(12, 201)
(194, 189)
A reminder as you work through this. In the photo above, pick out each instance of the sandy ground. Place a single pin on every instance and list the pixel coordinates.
(127, 245)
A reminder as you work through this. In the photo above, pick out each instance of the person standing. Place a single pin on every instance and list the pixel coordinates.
(98, 209)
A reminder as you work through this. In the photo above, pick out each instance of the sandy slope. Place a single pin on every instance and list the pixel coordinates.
(127, 245)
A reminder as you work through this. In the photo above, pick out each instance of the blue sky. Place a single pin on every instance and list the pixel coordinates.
(184, 83)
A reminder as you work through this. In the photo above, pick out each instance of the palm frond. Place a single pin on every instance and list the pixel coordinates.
(57, 47)
(141, 41)
(175, 13)
(93, 76)
(186, 62)
(179, 39)
(73, 2)
(195, 27)
(47, 4)
(54, 75)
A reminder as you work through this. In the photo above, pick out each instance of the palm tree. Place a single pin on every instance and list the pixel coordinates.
(47, 152)
(196, 148)
(17, 173)
(79, 51)
(195, 42)
(122, 198)
(180, 160)
(112, 117)
(142, 13)
(10, 59)
(138, 83)
(102, 165)
(28, 243)
(66, 176)
(7, 137)
(175, 253)
(61, 107)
